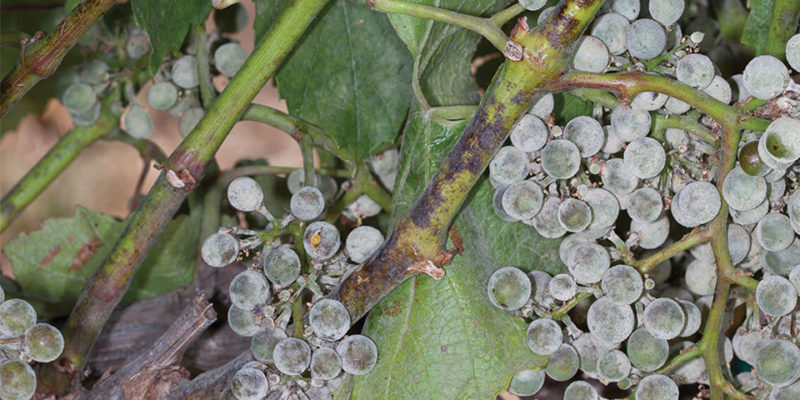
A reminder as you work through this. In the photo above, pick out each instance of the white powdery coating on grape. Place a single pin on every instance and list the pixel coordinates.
(532, 5)
(784, 131)
(604, 205)
(696, 70)
(588, 353)
(17, 380)
(776, 296)
(563, 364)
(43, 342)
(657, 387)
(666, 11)
(307, 203)
(189, 119)
(617, 177)
(16, 316)
(245, 194)
(664, 318)
(527, 383)
(646, 351)
(747, 343)
(229, 57)
(79, 98)
(546, 222)
(645, 39)
(292, 356)
(263, 344)
(137, 122)
(752, 216)
(543, 107)
(676, 106)
(738, 242)
(696, 204)
(363, 207)
(580, 390)
(359, 354)
(249, 384)
(561, 159)
(544, 336)
(562, 287)
(614, 143)
(609, 322)
(613, 366)
(588, 262)
(765, 77)
(610, 28)
(87, 118)
(793, 52)
(645, 205)
(693, 318)
(539, 282)
(162, 95)
(719, 89)
(220, 249)
(508, 166)
(321, 240)
(645, 157)
(630, 123)
(587, 133)
(362, 242)
(794, 278)
(509, 288)
(281, 265)
(529, 134)
(774, 232)
(184, 72)
(574, 215)
(325, 364)
(242, 322)
(701, 277)
(627, 8)
(249, 289)
(329, 319)
(522, 200)
(622, 284)
(591, 55)
(778, 363)
(546, 13)
(743, 191)
(649, 101)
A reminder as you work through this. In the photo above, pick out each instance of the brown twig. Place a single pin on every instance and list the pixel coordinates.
(151, 374)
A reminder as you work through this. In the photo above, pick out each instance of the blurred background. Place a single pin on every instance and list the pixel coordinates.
(104, 176)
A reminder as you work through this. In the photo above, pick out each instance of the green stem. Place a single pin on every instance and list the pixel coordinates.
(560, 312)
(51, 166)
(188, 162)
(207, 92)
(507, 14)
(421, 233)
(307, 151)
(39, 60)
(294, 127)
(662, 122)
(694, 238)
(484, 26)
(680, 359)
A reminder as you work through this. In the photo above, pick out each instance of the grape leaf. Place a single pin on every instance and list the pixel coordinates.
(444, 52)
(470, 348)
(167, 23)
(770, 24)
(52, 263)
(350, 75)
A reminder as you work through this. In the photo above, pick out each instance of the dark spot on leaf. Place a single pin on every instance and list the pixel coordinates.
(444, 348)
(50, 256)
(84, 254)
(70, 239)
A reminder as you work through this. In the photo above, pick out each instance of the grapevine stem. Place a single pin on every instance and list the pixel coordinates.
(207, 92)
(40, 59)
(694, 238)
(51, 166)
(486, 27)
(680, 359)
(188, 163)
(507, 14)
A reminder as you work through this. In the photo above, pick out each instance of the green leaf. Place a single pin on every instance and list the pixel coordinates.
(770, 24)
(351, 76)
(443, 52)
(567, 106)
(470, 348)
(167, 23)
(51, 263)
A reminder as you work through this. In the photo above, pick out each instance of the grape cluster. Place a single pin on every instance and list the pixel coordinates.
(175, 88)
(299, 253)
(23, 340)
(615, 185)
